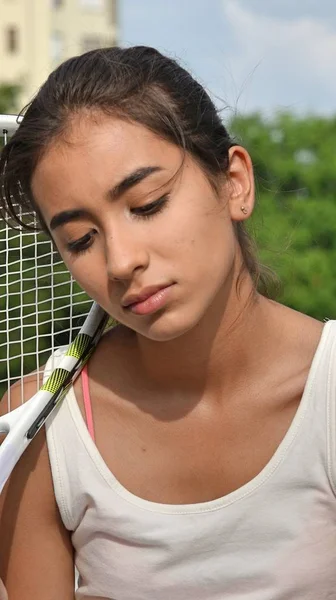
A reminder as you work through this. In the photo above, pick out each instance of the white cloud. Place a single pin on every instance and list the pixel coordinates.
(294, 59)
(292, 10)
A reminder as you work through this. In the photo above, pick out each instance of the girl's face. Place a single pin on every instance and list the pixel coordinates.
(145, 237)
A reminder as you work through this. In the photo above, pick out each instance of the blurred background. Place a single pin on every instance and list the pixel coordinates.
(269, 67)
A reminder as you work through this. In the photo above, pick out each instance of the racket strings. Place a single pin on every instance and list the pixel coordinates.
(41, 307)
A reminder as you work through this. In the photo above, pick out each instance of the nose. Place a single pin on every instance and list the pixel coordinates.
(125, 254)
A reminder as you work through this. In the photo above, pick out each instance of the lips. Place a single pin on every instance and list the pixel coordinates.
(143, 295)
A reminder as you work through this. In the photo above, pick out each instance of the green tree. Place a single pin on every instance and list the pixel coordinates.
(294, 224)
(8, 97)
(295, 220)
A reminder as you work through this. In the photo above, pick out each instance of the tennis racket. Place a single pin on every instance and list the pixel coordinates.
(23, 423)
(36, 291)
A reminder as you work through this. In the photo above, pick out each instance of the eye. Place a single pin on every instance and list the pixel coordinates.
(152, 208)
(82, 244)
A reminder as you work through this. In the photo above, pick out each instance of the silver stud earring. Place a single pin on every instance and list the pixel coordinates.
(244, 210)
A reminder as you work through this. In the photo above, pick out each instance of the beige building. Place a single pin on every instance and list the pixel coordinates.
(36, 35)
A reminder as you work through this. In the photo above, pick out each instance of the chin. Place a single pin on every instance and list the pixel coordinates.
(167, 327)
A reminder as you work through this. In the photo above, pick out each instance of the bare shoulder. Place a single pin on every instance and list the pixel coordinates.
(298, 328)
(21, 391)
(117, 349)
(113, 368)
(34, 541)
(296, 338)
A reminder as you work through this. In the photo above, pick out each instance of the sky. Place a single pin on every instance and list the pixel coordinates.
(264, 55)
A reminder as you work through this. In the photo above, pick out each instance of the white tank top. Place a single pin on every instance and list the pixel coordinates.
(272, 539)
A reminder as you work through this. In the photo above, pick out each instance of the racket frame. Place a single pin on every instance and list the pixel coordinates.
(23, 423)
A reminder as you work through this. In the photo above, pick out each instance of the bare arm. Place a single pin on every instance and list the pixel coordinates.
(36, 556)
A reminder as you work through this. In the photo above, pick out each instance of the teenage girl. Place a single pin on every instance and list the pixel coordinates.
(194, 459)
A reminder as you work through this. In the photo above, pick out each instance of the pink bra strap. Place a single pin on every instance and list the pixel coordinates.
(87, 401)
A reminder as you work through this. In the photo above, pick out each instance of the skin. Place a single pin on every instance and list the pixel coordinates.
(189, 402)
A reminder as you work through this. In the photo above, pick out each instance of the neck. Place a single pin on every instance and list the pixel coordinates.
(216, 353)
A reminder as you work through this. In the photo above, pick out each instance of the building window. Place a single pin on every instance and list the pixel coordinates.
(92, 4)
(112, 10)
(91, 42)
(12, 39)
(56, 47)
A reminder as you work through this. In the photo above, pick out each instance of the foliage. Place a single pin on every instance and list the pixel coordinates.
(8, 97)
(295, 219)
(35, 277)
(294, 224)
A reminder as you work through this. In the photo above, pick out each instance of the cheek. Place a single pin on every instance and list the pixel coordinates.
(88, 272)
(202, 238)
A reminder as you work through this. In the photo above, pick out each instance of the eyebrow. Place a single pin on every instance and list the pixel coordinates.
(115, 193)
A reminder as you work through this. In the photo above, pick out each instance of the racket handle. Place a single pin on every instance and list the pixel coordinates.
(15, 424)
(8, 420)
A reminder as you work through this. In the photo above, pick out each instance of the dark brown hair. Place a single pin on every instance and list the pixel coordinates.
(138, 84)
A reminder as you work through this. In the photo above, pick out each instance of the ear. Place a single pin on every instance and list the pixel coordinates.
(240, 184)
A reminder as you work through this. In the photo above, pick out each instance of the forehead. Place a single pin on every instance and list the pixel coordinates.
(96, 152)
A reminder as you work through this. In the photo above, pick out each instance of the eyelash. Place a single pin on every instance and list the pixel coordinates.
(147, 211)
(81, 245)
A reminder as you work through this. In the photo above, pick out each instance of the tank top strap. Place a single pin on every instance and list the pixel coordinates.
(330, 376)
(51, 364)
(87, 401)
